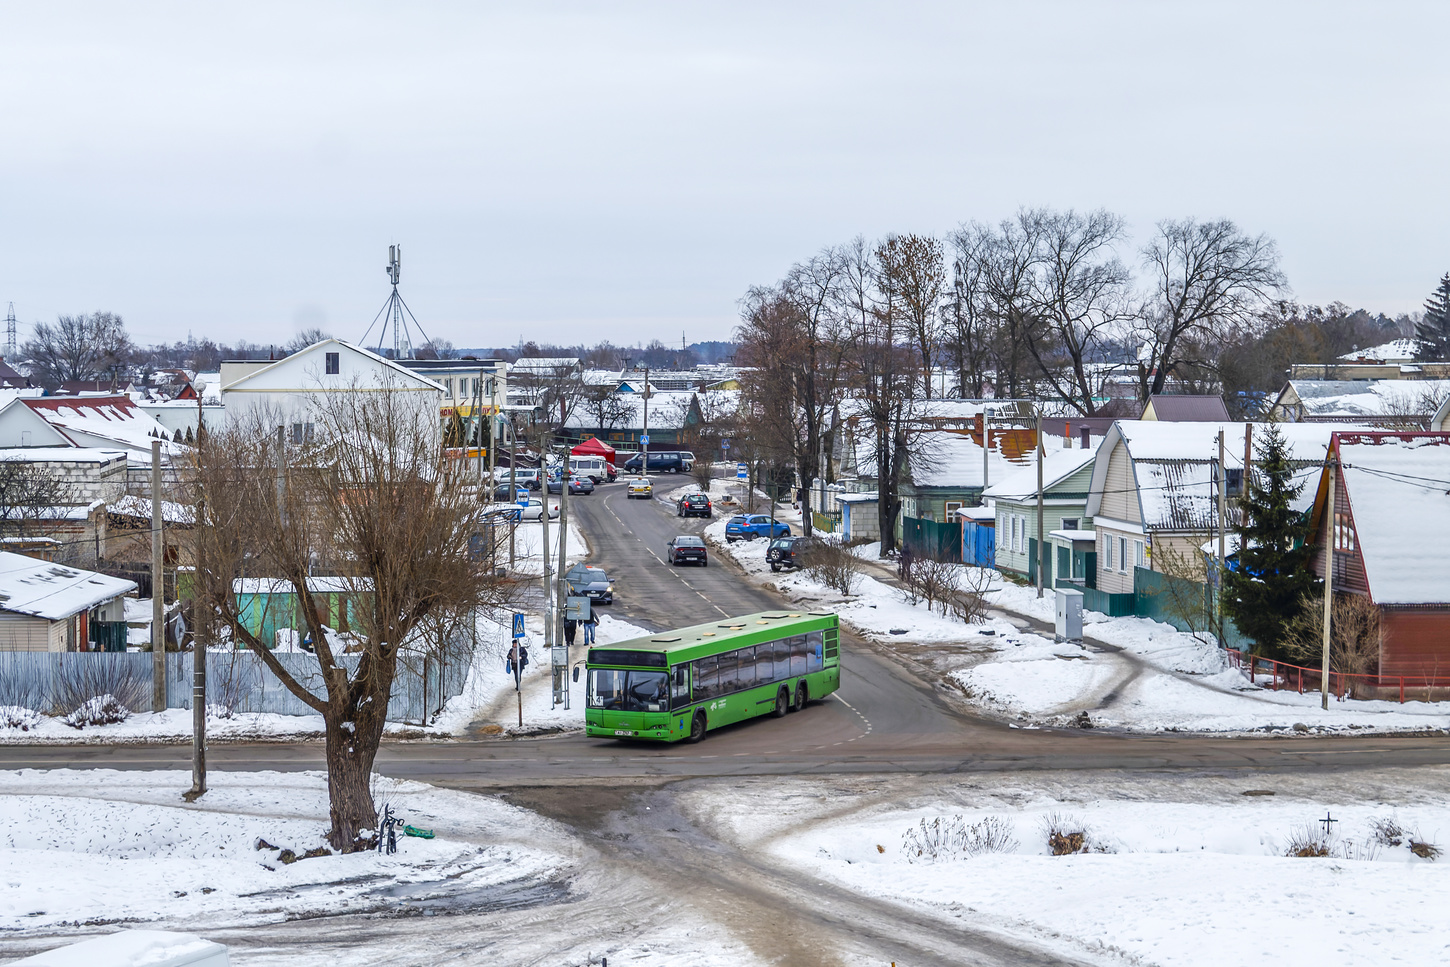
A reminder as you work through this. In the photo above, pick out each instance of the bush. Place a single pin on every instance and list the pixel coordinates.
(954, 839)
(1308, 842)
(81, 678)
(1066, 834)
(18, 717)
(834, 566)
(1387, 832)
(100, 710)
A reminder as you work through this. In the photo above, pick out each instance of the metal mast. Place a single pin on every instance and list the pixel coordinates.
(395, 313)
(10, 341)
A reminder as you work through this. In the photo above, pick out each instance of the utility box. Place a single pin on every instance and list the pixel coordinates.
(1069, 615)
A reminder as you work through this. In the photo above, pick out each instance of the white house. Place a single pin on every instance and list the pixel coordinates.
(292, 390)
(48, 607)
(99, 422)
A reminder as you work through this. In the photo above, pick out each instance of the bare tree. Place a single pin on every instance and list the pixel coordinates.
(305, 338)
(1080, 293)
(374, 500)
(604, 407)
(911, 267)
(29, 492)
(967, 326)
(78, 348)
(1005, 260)
(1206, 280)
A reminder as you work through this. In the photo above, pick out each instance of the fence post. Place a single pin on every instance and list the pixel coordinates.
(1402, 689)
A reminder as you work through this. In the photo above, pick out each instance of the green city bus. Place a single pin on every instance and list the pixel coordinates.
(678, 684)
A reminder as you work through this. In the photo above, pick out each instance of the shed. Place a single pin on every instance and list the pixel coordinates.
(270, 605)
(979, 535)
(860, 520)
(50, 607)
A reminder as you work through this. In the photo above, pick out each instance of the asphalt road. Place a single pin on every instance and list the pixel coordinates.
(890, 716)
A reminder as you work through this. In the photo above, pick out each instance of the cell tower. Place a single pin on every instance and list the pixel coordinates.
(10, 347)
(395, 314)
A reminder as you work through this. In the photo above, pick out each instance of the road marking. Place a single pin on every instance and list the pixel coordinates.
(1338, 752)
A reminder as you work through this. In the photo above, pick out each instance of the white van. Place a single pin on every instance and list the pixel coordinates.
(591, 467)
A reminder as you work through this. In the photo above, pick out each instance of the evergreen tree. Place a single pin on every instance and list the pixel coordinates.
(1433, 332)
(1273, 574)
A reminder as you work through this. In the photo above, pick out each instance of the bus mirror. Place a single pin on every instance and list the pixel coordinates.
(576, 673)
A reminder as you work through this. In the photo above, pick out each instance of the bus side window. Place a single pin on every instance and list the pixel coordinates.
(746, 676)
(703, 672)
(765, 663)
(798, 655)
(680, 687)
(815, 645)
(782, 659)
(729, 676)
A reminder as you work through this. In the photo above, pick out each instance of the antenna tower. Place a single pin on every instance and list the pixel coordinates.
(395, 314)
(10, 347)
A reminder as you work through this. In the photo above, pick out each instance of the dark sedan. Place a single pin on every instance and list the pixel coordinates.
(687, 549)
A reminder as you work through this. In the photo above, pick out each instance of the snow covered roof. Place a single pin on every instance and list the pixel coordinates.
(112, 419)
(317, 585)
(948, 459)
(857, 498)
(61, 454)
(133, 506)
(667, 409)
(1394, 351)
(1173, 466)
(1397, 486)
(983, 514)
(1186, 409)
(266, 377)
(1075, 535)
(52, 591)
(1057, 465)
(1349, 399)
(544, 364)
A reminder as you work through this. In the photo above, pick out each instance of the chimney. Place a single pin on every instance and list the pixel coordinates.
(1086, 433)
(1067, 435)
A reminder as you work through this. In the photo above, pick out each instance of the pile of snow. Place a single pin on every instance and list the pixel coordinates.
(18, 717)
(121, 846)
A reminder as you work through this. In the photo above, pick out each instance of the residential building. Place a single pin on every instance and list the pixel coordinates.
(1391, 360)
(293, 391)
(1066, 477)
(1185, 409)
(1390, 539)
(88, 422)
(50, 607)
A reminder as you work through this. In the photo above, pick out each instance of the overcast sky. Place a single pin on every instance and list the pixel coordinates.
(576, 172)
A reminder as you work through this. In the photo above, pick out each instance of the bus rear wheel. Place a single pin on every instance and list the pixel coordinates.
(782, 704)
(802, 695)
(697, 727)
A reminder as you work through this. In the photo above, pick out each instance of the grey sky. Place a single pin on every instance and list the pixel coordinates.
(574, 172)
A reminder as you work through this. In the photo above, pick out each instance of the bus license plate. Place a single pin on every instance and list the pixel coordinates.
(623, 732)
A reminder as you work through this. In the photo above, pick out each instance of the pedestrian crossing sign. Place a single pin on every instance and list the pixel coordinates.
(518, 626)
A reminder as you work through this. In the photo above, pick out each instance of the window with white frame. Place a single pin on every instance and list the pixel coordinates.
(1140, 556)
(1107, 552)
(1022, 527)
(1123, 554)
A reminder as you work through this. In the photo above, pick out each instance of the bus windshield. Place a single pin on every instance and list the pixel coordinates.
(618, 690)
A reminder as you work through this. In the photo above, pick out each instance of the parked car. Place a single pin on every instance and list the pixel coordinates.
(694, 505)
(522, 476)
(577, 485)
(661, 461)
(640, 487)
(591, 582)
(789, 551)
(534, 509)
(687, 549)
(747, 527)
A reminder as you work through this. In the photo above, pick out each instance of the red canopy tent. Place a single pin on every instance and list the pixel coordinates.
(595, 447)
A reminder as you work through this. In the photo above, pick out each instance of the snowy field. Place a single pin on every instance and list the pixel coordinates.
(99, 847)
(1157, 679)
(1176, 872)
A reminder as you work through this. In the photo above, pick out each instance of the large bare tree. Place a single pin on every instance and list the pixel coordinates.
(78, 348)
(373, 500)
(1206, 282)
(912, 269)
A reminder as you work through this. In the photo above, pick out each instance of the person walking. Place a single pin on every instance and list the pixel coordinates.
(590, 624)
(569, 627)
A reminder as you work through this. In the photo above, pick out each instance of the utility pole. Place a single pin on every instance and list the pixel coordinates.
(1222, 544)
(1328, 584)
(561, 671)
(200, 637)
(1041, 534)
(158, 589)
(986, 450)
(644, 441)
(513, 487)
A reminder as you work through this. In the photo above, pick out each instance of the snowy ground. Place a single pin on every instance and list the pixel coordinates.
(1180, 872)
(98, 847)
(1159, 679)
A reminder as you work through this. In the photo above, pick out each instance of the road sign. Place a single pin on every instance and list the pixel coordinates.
(576, 608)
(742, 472)
(518, 626)
(725, 444)
(644, 440)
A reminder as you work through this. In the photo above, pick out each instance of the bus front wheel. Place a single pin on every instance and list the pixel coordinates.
(697, 727)
(782, 704)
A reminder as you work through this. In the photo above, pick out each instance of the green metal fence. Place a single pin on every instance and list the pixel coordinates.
(932, 539)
